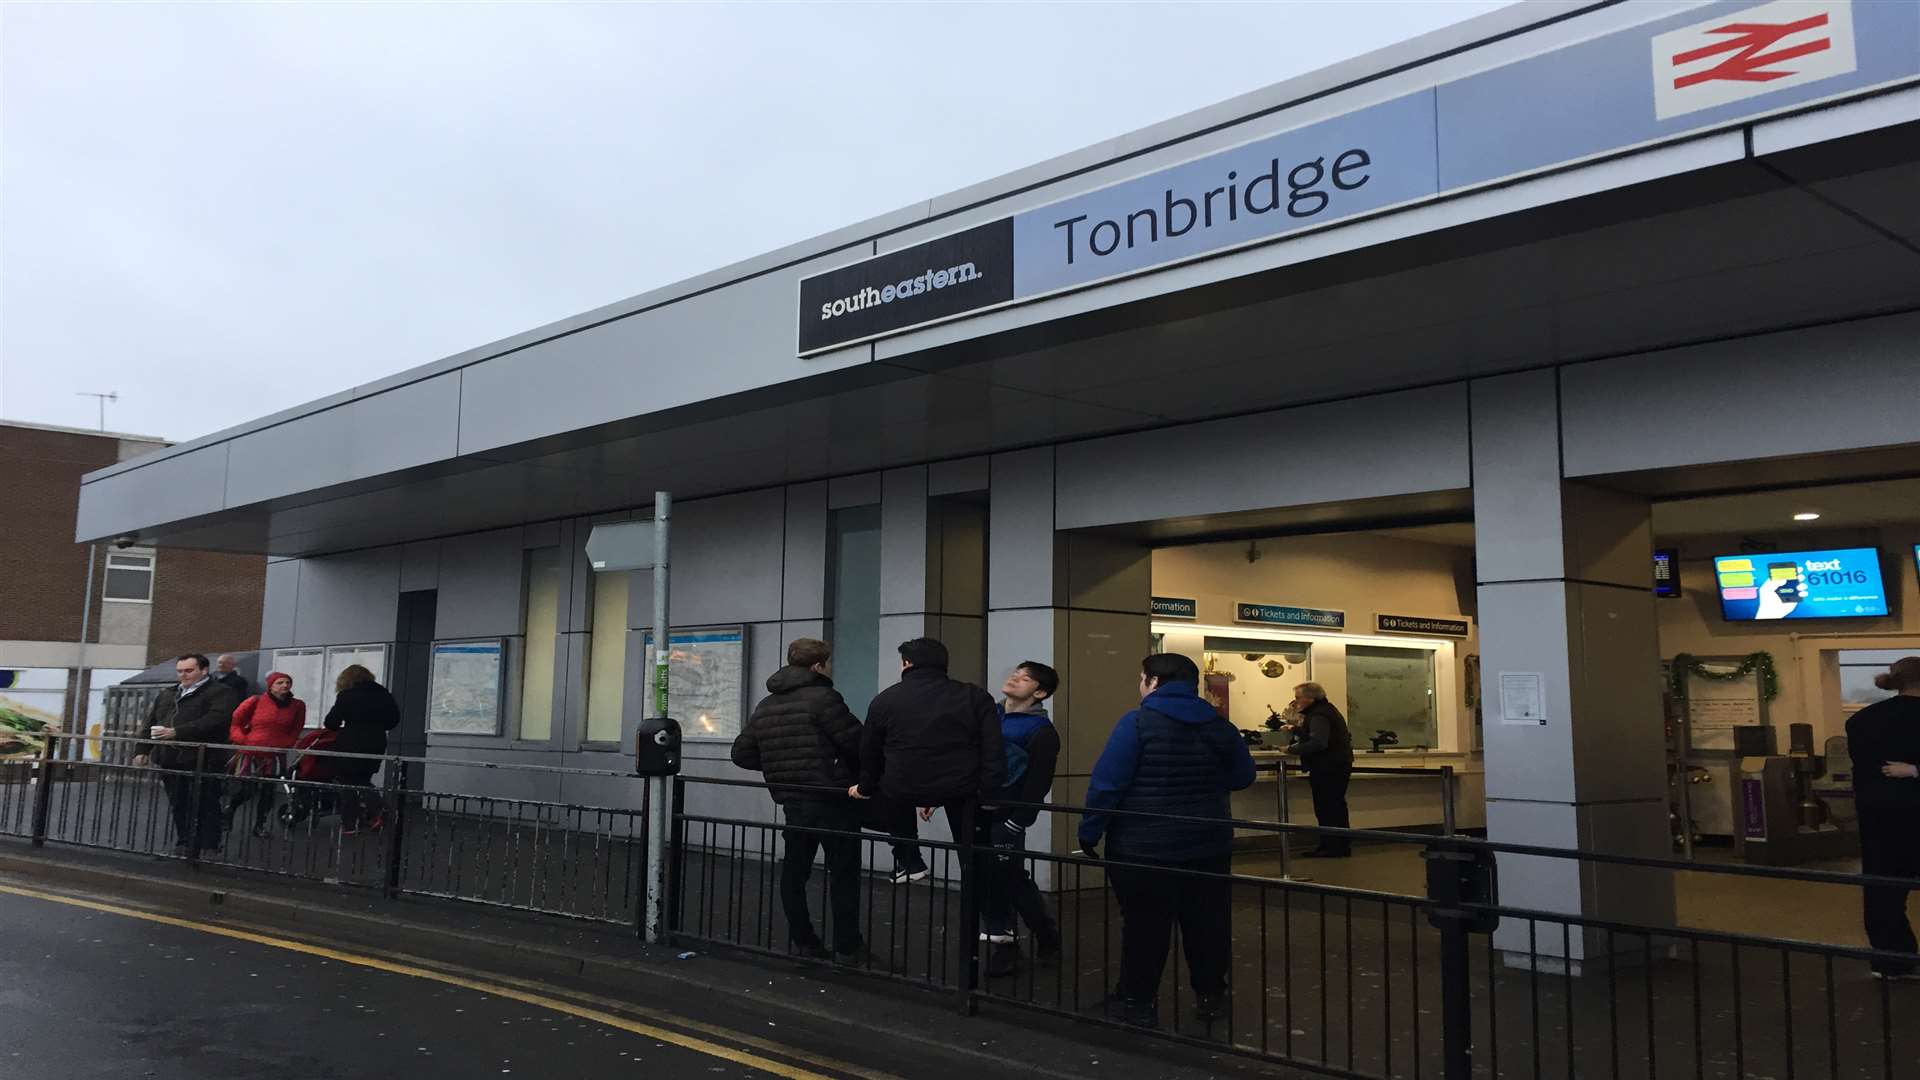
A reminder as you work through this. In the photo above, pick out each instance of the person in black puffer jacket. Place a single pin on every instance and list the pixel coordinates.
(930, 740)
(1176, 756)
(363, 712)
(803, 734)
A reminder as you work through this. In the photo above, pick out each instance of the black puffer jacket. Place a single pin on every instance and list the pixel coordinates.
(931, 740)
(362, 714)
(801, 733)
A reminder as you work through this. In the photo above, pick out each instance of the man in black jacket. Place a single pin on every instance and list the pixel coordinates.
(803, 734)
(227, 671)
(1325, 747)
(199, 710)
(931, 740)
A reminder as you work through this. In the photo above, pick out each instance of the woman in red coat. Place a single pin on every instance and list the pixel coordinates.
(270, 721)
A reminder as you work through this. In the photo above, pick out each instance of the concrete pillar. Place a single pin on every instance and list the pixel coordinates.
(1565, 595)
(1078, 602)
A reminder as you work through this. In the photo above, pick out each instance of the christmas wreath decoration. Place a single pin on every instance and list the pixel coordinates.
(1759, 664)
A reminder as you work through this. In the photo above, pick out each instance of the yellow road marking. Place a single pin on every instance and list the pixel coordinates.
(701, 1046)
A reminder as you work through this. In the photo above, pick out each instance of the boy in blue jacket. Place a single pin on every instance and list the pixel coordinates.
(1174, 756)
(1032, 747)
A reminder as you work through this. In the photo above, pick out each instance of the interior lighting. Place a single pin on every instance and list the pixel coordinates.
(1808, 516)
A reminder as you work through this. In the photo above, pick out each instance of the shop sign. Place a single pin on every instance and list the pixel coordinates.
(1708, 68)
(1283, 615)
(1414, 624)
(1176, 607)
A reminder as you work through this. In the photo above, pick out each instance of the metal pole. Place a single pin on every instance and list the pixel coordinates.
(657, 823)
(1446, 800)
(74, 723)
(1280, 797)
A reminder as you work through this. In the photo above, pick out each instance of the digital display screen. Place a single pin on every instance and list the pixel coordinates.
(1666, 572)
(1843, 583)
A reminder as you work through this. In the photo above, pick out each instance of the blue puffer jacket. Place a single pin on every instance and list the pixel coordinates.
(1173, 755)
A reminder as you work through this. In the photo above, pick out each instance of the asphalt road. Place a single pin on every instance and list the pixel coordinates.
(110, 995)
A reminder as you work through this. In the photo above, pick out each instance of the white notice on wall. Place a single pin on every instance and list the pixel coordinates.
(1522, 701)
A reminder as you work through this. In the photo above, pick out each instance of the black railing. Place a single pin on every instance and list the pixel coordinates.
(1453, 981)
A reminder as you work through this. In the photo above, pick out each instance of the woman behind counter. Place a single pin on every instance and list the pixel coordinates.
(1884, 740)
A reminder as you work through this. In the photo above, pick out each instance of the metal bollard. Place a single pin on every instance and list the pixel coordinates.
(43, 792)
(194, 790)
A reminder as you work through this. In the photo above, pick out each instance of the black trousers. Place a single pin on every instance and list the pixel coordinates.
(1151, 901)
(1889, 845)
(843, 871)
(1006, 888)
(180, 799)
(1329, 785)
(882, 814)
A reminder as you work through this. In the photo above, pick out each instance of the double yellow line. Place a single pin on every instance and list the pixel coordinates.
(499, 989)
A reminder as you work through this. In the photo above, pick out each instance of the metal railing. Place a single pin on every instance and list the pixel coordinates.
(577, 860)
(1453, 983)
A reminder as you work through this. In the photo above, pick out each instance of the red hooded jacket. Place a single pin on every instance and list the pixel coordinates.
(262, 721)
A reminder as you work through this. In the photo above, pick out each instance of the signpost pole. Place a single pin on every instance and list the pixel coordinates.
(657, 823)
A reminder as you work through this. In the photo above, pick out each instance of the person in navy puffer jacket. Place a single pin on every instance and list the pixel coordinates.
(1176, 756)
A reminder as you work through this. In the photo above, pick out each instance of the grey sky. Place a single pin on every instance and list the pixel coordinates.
(224, 210)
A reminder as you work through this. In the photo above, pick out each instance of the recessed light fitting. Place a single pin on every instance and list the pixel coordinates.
(1808, 516)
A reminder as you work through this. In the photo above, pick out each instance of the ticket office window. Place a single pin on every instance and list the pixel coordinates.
(1392, 689)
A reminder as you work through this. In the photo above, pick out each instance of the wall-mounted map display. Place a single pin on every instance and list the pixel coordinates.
(465, 695)
(706, 680)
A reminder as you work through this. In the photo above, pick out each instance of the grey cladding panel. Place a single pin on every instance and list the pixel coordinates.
(348, 599)
(299, 455)
(1833, 388)
(480, 583)
(164, 489)
(369, 436)
(1388, 444)
(804, 590)
(726, 559)
(408, 426)
(723, 342)
(277, 610)
(1516, 478)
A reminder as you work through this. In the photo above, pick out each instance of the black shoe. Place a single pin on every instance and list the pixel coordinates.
(909, 872)
(858, 956)
(1131, 1012)
(812, 951)
(1046, 947)
(1210, 1007)
(261, 832)
(1003, 959)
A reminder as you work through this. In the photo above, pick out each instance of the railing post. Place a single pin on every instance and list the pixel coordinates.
(968, 944)
(194, 790)
(1446, 800)
(1458, 876)
(1286, 836)
(676, 853)
(397, 788)
(43, 792)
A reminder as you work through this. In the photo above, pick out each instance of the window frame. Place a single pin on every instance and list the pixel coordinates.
(106, 576)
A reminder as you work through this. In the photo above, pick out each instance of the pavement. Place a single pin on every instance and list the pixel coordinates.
(123, 967)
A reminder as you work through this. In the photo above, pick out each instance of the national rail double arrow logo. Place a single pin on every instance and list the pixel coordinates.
(1750, 53)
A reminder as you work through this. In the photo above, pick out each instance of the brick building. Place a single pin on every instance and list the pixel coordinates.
(146, 605)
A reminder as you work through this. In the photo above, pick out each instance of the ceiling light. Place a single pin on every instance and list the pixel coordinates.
(1808, 516)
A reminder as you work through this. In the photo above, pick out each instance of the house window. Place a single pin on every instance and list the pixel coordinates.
(129, 578)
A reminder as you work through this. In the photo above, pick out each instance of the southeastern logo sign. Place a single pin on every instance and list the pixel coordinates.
(1753, 52)
(965, 271)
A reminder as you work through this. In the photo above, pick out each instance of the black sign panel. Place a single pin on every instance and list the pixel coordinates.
(940, 278)
(1414, 624)
(1666, 573)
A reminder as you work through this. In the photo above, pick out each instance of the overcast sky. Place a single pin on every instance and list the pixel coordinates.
(222, 210)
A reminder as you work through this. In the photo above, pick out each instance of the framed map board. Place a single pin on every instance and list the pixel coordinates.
(706, 679)
(1715, 708)
(466, 688)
